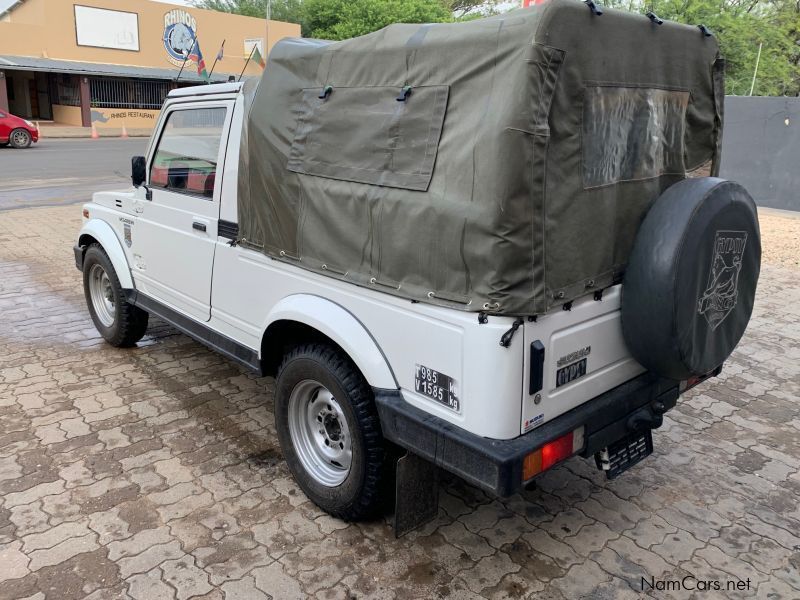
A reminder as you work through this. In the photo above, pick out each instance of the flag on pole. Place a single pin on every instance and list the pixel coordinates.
(258, 58)
(221, 51)
(197, 56)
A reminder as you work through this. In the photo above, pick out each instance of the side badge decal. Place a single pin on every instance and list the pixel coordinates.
(127, 230)
(127, 226)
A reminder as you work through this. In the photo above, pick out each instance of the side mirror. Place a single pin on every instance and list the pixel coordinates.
(138, 170)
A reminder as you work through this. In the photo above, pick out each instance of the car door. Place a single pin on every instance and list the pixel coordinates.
(173, 235)
(5, 130)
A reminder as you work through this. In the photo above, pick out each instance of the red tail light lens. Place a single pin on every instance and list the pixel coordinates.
(552, 453)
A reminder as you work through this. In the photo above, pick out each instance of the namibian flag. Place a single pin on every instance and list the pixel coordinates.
(197, 56)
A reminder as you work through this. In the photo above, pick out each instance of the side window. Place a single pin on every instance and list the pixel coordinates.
(185, 160)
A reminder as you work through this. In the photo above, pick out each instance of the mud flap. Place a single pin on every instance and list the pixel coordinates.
(416, 493)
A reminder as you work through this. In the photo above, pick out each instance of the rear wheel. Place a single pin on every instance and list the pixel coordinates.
(121, 324)
(329, 431)
(20, 138)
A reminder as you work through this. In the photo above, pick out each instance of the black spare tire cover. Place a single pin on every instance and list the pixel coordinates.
(691, 279)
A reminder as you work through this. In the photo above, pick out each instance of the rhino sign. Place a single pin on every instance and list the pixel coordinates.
(719, 298)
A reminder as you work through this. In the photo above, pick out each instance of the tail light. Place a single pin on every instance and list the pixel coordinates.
(552, 453)
(688, 384)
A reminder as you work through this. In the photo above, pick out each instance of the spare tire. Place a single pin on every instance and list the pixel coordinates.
(691, 279)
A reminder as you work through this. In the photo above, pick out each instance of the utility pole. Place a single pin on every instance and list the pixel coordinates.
(266, 42)
(755, 71)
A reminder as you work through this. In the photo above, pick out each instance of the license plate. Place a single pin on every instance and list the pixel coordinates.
(437, 386)
(623, 454)
(571, 372)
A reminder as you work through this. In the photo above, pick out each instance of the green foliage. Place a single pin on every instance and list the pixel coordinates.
(342, 19)
(290, 11)
(471, 9)
(740, 27)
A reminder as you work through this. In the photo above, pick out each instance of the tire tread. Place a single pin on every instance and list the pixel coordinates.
(368, 502)
(132, 321)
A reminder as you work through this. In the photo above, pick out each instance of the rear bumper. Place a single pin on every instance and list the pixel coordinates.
(496, 465)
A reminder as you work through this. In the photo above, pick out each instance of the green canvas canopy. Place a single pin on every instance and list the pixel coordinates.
(500, 165)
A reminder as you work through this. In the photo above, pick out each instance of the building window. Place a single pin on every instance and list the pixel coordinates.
(65, 90)
(128, 93)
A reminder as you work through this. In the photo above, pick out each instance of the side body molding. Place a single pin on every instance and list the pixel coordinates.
(104, 234)
(343, 328)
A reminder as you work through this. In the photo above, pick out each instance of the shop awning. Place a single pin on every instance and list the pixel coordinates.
(49, 65)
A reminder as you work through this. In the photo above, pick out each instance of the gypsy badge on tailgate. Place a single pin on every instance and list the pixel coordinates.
(572, 366)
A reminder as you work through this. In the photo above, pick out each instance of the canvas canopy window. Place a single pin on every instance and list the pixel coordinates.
(500, 165)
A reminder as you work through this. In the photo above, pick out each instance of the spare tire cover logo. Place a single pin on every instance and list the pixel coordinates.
(719, 298)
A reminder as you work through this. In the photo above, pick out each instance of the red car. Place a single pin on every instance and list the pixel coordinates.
(17, 132)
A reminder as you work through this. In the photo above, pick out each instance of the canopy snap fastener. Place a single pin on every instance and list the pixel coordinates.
(705, 30)
(655, 18)
(596, 10)
(404, 93)
(326, 91)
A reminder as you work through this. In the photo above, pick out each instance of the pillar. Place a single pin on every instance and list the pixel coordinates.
(86, 102)
(3, 92)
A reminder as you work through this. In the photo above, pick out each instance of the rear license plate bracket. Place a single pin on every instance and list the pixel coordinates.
(620, 456)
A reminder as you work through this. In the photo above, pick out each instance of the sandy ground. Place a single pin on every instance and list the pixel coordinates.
(780, 237)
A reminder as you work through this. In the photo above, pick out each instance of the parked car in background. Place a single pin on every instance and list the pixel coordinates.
(16, 132)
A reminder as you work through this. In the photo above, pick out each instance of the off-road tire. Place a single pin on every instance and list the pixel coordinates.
(20, 138)
(359, 496)
(130, 322)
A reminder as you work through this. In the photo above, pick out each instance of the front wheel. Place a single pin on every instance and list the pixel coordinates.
(20, 138)
(121, 324)
(329, 431)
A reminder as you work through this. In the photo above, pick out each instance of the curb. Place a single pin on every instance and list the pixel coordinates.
(79, 133)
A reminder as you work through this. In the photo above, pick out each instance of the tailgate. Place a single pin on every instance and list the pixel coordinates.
(572, 356)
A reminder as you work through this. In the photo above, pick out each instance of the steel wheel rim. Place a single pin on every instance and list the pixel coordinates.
(320, 433)
(20, 138)
(102, 295)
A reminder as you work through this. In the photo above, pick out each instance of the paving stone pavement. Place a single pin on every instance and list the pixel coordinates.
(155, 472)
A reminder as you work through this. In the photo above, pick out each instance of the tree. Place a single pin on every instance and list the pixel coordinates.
(342, 19)
(740, 27)
(466, 8)
(290, 11)
(334, 19)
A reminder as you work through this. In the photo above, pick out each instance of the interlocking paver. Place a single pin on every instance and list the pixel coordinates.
(14, 562)
(154, 472)
(147, 586)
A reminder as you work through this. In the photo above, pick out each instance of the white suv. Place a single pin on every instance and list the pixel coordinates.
(496, 399)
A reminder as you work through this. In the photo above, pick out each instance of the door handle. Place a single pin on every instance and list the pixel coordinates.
(198, 226)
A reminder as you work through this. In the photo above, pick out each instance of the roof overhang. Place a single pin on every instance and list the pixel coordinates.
(14, 4)
(50, 65)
